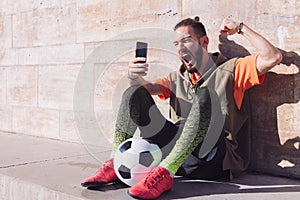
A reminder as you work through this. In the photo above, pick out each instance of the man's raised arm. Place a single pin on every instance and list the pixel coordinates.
(268, 55)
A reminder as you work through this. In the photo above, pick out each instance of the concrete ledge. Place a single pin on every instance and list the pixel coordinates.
(15, 188)
(38, 168)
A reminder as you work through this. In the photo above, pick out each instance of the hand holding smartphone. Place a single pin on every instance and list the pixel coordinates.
(139, 65)
(141, 50)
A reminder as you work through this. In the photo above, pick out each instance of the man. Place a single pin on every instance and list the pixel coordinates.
(202, 80)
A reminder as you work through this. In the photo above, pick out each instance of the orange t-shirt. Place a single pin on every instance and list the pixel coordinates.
(245, 76)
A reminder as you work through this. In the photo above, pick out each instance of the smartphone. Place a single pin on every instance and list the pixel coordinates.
(141, 50)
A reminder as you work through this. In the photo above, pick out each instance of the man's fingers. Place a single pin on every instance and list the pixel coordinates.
(138, 70)
(138, 65)
(223, 30)
(136, 74)
(138, 59)
(228, 26)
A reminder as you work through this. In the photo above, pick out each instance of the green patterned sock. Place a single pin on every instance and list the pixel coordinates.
(126, 124)
(119, 137)
(193, 132)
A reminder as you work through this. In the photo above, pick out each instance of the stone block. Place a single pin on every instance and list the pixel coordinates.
(291, 6)
(99, 21)
(276, 22)
(36, 121)
(56, 86)
(5, 118)
(5, 32)
(16, 188)
(275, 135)
(22, 84)
(53, 3)
(8, 57)
(89, 49)
(60, 54)
(106, 119)
(9, 7)
(14, 6)
(160, 48)
(3, 81)
(286, 122)
(272, 157)
(204, 9)
(45, 26)
(111, 51)
(67, 127)
(110, 85)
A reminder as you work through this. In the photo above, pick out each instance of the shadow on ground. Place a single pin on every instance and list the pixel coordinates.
(190, 189)
(186, 188)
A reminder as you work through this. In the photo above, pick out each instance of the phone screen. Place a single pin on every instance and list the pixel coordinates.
(141, 49)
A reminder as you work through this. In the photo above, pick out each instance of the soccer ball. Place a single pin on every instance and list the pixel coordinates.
(134, 159)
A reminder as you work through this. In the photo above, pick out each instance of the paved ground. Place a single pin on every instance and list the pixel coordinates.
(37, 168)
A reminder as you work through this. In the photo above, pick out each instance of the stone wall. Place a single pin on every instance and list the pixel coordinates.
(47, 47)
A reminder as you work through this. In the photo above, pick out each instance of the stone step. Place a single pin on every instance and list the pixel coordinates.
(39, 168)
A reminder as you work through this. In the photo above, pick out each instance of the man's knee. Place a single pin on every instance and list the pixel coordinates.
(133, 91)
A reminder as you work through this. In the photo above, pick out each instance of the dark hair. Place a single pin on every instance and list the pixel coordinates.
(197, 26)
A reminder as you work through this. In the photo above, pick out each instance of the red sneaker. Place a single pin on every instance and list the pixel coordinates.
(151, 187)
(106, 174)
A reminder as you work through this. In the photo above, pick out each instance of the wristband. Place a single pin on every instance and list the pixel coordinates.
(239, 28)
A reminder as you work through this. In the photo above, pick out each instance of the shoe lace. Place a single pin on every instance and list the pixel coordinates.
(154, 177)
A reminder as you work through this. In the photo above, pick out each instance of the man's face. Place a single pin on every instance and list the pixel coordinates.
(190, 52)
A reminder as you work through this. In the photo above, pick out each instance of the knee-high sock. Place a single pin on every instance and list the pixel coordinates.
(127, 118)
(193, 132)
(133, 112)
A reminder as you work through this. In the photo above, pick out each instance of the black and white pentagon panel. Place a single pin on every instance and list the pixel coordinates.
(124, 172)
(146, 158)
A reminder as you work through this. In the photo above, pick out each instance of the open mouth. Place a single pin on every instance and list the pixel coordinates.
(187, 59)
